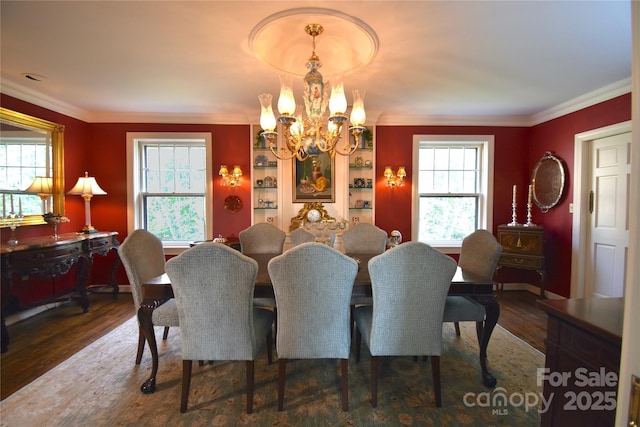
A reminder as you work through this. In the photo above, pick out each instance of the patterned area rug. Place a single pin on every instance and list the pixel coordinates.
(100, 386)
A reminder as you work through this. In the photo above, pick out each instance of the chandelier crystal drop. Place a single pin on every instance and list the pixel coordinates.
(306, 137)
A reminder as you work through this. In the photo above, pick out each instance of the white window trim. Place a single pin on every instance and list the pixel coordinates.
(486, 203)
(134, 203)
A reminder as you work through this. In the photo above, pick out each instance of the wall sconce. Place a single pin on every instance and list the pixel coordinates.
(43, 187)
(394, 179)
(230, 179)
(87, 187)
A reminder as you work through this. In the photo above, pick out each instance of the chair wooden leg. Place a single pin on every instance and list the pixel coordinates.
(165, 334)
(374, 381)
(275, 323)
(358, 343)
(435, 371)
(186, 383)
(270, 347)
(457, 326)
(141, 342)
(352, 321)
(282, 372)
(250, 375)
(345, 384)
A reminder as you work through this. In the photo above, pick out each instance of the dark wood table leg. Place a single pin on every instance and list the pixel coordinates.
(146, 324)
(114, 272)
(82, 279)
(5, 337)
(4, 301)
(484, 331)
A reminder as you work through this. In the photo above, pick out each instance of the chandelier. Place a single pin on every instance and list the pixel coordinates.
(304, 138)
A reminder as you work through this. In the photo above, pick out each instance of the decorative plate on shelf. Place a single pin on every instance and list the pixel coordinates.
(233, 204)
(261, 160)
(358, 182)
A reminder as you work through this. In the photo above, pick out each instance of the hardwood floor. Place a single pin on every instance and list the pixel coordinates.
(47, 339)
(520, 315)
(41, 342)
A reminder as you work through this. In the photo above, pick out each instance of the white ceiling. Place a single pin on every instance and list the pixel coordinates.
(433, 62)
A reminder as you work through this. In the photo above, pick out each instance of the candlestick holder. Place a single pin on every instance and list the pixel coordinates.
(529, 223)
(514, 221)
(14, 221)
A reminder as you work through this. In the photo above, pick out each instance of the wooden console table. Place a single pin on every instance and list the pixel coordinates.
(522, 247)
(48, 257)
(584, 337)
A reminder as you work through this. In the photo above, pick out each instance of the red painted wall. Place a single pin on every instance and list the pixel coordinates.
(394, 148)
(101, 150)
(558, 136)
(75, 136)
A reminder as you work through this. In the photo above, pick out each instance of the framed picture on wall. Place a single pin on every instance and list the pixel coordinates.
(313, 179)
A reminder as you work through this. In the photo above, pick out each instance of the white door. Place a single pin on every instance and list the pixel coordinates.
(608, 232)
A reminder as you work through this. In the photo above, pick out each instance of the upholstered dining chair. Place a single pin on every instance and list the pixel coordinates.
(142, 256)
(410, 284)
(213, 286)
(479, 254)
(300, 235)
(364, 238)
(312, 284)
(262, 238)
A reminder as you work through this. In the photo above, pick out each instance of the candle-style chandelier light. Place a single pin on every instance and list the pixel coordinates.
(306, 137)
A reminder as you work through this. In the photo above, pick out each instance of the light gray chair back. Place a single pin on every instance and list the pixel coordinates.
(364, 238)
(410, 284)
(142, 256)
(480, 253)
(262, 238)
(213, 286)
(300, 235)
(312, 284)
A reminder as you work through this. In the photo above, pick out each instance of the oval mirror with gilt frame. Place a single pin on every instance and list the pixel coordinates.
(30, 147)
(547, 182)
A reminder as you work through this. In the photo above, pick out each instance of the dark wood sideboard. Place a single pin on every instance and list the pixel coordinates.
(584, 338)
(522, 247)
(50, 257)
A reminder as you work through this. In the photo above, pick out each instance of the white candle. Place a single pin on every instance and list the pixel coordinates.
(19, 206)
(514, 194)
(529, 197)
(11, 198)
(4, 207)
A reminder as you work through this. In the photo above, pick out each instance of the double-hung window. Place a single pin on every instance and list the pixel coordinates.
(170, 191)
(453, 176)
(24, 154)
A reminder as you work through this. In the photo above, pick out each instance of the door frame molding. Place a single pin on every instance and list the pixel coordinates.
(582, 142)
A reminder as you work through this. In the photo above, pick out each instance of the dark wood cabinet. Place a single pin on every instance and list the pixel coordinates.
(584, 337)
(522, 247)
(49, 257)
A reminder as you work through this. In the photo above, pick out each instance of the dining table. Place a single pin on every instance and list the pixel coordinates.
(158, 290)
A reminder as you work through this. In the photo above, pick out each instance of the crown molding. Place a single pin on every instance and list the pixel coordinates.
(20, 92)
(452, 120)
(597, 96)
(600, 95)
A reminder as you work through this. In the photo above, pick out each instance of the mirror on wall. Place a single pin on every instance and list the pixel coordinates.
(547, 181)
(31, 150)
